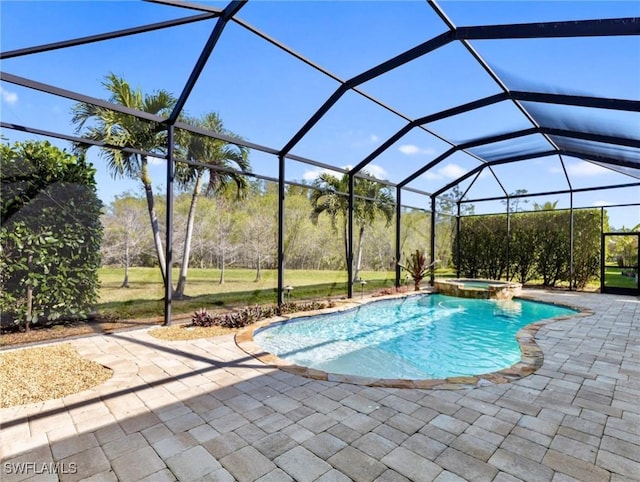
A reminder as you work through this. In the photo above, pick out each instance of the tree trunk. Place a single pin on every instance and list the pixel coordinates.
(127, 262)
(346, 244)
(29, 300)
(221, 269)
(155, 228)
(359, 257)
(182, 279)
(259, 269)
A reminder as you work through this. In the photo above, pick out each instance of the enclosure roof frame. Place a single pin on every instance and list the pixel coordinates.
(622, 150)
(563, 29)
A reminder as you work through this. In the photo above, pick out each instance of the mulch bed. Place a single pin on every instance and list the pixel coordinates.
(12, 336)
(42, 373)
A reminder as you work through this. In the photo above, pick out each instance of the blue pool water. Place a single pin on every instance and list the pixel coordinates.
(417, 337)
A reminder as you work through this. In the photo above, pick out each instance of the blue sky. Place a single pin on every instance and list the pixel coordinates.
(265, 95)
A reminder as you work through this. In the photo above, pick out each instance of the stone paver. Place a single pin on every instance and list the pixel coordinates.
(324, 445)
(192, 464)
(137, 464)
(205, 410)
(121, 446)
(411, 465)
(247, 464)
(466, 465)
(274, 445)
(356, 464)
(425, 446)
(374, 445)
(474, 446)
(576, 468)
(302, 465)
(175, 444)
(73, 445)
(519, 466)
(84, 465)
(277, 475)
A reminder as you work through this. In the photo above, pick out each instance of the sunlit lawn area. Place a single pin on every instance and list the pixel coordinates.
(144, 296)
(613, 277)
(147, 282)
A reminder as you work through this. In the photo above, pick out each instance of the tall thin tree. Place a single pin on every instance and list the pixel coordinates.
(223, 162)
(118, 129)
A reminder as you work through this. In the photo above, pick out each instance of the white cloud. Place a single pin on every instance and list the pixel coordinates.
(449, 171)
(360, 138)
(602, 203)
(156, 161)
(582, 169)
(8, 97)
(586, 169)
(411, 150)
(376, 171)
(372, 169)
(453, 171)
(313, 174)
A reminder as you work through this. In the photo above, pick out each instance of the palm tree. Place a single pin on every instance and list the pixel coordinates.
(216, 154)
(546, 206)
(372, 199)
(118, 129)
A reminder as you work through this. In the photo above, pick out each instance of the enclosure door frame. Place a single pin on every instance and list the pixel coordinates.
(620, 290)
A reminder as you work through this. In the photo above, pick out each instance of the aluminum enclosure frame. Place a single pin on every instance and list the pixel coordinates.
(567, 29)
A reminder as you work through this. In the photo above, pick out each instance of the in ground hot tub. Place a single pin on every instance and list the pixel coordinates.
(478, 288)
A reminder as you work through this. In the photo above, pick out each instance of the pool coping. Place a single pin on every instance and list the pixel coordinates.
(531, 359)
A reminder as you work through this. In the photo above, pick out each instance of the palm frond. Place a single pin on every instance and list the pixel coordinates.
(81, 113)
(123, 130)
(218, 154)
(159, 103)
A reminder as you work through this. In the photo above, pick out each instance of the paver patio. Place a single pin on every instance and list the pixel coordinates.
(205, 410)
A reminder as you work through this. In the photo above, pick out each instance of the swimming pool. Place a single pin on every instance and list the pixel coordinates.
(417, 337)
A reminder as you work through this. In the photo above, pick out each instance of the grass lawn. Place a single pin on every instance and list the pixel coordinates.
(613, 278)
(144, 297)
(142, 303)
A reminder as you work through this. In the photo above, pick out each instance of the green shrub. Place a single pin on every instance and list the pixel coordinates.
(50, 235)
(539, 247)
